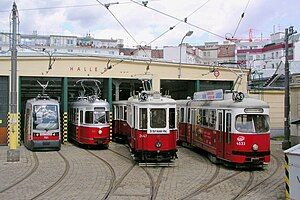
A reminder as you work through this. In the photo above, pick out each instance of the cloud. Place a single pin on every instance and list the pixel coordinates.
(144, 24)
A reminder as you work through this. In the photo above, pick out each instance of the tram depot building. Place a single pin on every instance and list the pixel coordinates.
(120, 79)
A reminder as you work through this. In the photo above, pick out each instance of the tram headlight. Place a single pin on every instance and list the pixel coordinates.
(36, 134)
(255, 147)
(158, 144)
(100, 132)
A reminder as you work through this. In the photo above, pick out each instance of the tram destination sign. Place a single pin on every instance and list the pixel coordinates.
(209, 95)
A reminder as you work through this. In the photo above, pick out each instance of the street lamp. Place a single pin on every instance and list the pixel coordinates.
(189, 33)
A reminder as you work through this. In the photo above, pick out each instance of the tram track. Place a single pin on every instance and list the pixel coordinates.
(67, 168)
(36, 164)
(112, 171)
(158, 182)
(246, 186)
(257, 185)
(205, 186)
(153, 187)
(119, 181)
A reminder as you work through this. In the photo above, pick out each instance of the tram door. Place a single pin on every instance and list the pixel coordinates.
(224, 132)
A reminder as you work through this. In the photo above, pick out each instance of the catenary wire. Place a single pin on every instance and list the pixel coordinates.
(107, 7)
(172, 27)
(173, 17)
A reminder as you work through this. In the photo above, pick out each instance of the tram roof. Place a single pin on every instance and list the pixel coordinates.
(226, 103)
(35, 101)
(150, 100)
(86, 102)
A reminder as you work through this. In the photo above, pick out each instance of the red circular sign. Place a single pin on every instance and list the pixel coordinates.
(216, 73)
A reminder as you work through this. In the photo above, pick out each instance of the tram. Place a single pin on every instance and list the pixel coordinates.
(147, 122)
(89, 118)
(231, 127)
(42, 123)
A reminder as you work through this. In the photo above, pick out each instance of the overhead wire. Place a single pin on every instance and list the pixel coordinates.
(66, 6)
(181, 20)
(172, 27)
(53, 7)
(120, 23)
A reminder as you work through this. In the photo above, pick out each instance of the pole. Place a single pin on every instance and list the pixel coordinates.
(179, 75)
(13, 154)
(287, 143)
(189, 33)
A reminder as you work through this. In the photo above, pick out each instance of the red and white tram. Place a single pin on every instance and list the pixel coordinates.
(89, 120)
(230, 127)
(148, 123)
(42, 124)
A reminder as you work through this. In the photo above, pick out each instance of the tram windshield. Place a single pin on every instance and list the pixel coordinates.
(98, 116)
(45, 117)
(157, 118)
(250, 123)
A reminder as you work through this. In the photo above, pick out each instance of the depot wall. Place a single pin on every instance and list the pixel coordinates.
(127, 69)
(275, 99)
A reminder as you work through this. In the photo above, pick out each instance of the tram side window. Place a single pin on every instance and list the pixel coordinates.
(143, 118)
(114, 112)
(181, 114)
(107, 116)
(220, 125)
(134, 117)
(129, 115)
(81, 117)
(125, 113)
(76, 115)
(205, 117)
(121, 112)
(189, 115)
(212, 119)
(228, 127)
(88, 117)
(172, 118)
(117, 112)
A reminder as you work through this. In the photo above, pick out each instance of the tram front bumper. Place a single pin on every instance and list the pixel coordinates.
(46, 144)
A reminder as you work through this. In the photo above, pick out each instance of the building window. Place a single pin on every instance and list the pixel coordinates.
(272, 56)
(70, 50)
(276, 54)
(273, 66)
(264, 56)
(69, 42)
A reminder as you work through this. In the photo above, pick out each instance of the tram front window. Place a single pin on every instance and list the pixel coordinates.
(99, 116)
(252, 123)
(158, 118)
(45, 117)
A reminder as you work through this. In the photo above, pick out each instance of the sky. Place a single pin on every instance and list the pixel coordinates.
(210, 20)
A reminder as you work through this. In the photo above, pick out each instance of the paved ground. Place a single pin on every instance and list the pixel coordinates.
(76, 173)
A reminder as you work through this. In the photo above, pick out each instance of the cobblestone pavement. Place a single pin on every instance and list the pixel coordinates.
(77, 173)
